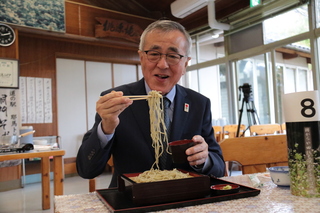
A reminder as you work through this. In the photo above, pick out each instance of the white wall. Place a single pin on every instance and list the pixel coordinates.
(71, 104)
(79, 84)
(98, 79)
(124, 73)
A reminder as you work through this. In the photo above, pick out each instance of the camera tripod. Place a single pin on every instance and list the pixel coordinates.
(251, 110)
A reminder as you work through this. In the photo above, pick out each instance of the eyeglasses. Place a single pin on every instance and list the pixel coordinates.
(171, 58)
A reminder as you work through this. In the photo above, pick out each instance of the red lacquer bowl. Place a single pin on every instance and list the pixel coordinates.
(222, 189)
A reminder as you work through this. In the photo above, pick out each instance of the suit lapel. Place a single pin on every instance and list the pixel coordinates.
(180, 115)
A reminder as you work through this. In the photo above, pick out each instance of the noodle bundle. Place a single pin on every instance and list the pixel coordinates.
(159, 175)
(157, 126)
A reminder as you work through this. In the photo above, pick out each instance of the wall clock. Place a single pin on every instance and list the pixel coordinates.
(7, 35)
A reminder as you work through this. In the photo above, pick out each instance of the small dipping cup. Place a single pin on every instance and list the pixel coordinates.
(178, 150)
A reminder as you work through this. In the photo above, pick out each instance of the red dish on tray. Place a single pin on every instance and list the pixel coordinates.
(223, 189)
(164, 191)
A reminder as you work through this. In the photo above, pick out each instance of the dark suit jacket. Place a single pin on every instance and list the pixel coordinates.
(131, 145)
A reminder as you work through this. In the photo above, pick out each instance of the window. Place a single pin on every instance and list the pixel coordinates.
(317, 6)
(279, 89)
(213, 85)
(286, 25)
(224, 93)
(289, 80)
(206, 47)
(252, 73)
(303, 80)
(192, 80)
(210, 87)
(290, 48)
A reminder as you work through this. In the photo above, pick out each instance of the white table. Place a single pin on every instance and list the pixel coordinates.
(271, 199)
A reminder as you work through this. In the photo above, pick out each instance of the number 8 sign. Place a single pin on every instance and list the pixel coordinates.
(301, 106)
(302, 118)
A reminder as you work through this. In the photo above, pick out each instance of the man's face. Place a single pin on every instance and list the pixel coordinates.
(160, 75)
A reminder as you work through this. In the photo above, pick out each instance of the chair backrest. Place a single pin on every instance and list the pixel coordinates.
(265, 129)
(231, 130)
(256, 154)
(217, 132)
(283, 128)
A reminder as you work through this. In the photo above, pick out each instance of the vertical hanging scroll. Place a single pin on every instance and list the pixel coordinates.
(47, 100)
(39, 100)
(31, 105)
(36, 100)
(23, 99)
(9, 112)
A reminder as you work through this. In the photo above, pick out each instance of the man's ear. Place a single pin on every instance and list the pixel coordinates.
(187, 61)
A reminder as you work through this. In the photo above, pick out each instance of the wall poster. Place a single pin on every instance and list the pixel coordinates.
(9, 73)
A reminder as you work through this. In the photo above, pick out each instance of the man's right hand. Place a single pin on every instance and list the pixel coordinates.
(109, 108)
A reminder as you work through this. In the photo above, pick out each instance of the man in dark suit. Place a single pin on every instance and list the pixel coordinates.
(122, 126)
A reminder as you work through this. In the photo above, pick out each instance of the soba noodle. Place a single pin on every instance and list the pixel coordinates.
(159, 137)
(157, 126)
(159, 175)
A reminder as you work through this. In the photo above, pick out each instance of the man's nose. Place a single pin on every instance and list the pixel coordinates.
(162, 63)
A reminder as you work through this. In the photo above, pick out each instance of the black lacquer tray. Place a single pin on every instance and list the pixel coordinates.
(118, 202)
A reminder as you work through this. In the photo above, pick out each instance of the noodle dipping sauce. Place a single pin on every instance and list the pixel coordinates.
(178, 150)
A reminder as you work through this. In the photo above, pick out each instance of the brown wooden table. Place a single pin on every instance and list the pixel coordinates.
(45, 170)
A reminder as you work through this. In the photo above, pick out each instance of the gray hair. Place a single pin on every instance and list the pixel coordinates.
(166, 26)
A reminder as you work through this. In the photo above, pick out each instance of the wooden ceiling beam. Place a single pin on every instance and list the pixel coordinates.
(290, 53)
(289, 56)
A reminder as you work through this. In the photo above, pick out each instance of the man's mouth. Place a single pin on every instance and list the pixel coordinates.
(162, 76)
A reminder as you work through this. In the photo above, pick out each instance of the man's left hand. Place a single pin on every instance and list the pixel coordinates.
(198, 154)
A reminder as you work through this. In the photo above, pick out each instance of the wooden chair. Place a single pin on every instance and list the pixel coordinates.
(231, 130)
(256, 154)
(217, 132)
(265, 129)
(92, 182)
(283, 128)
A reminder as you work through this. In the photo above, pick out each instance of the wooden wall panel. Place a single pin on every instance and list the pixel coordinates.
(72, 18)
(84, 17)
(37, 59)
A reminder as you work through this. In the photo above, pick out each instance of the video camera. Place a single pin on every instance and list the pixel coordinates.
(247, 90)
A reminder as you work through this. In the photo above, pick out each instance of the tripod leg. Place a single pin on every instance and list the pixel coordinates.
(249, 111)
(240, 116)
(254, 113)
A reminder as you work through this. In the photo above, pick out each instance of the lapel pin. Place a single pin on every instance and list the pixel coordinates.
(186, 107)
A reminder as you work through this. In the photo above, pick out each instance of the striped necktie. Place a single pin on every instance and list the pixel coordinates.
(163, 157)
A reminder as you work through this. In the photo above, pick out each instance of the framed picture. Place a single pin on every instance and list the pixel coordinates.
(9, 73)
(39, 14)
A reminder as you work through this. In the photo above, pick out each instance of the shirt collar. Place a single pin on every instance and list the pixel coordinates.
(170, 95)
